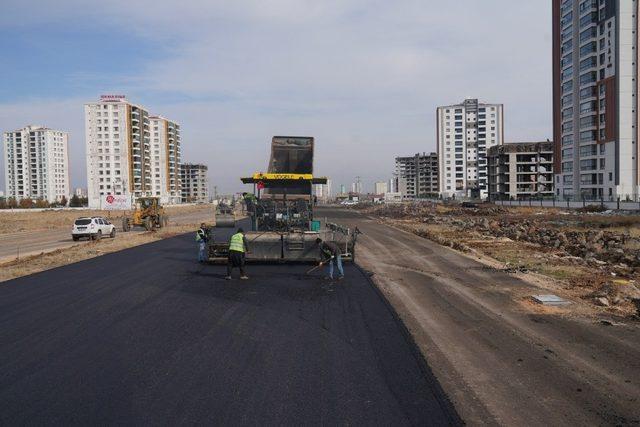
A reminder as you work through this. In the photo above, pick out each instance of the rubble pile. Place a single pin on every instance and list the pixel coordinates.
(595, 246)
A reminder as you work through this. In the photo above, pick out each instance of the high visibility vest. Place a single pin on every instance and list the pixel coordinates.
(237, 242)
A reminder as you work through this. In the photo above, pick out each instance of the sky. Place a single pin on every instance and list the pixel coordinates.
(364, 77)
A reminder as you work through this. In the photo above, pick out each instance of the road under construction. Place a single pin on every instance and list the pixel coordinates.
(416, 334)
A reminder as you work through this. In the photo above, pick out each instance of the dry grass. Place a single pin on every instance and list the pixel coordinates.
(81, 251)
(11, 222)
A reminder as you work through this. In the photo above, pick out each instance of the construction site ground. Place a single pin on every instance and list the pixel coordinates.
(148, 336)
(592, 258)
(501, 358)
(36, 241)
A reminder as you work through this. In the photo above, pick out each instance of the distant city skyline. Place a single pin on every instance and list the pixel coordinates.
(366, 97)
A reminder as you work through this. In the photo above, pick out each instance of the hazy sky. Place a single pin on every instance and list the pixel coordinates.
(363, 77)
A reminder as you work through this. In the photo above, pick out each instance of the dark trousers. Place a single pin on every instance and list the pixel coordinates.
(236, 259)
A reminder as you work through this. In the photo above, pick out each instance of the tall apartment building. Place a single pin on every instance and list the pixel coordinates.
(118, 142)
(417, 176)
(322, 191)
(166, 156)
(356, 187)
(464, 134)
(195, 184)
(381, 188)
(520, 171)
(36, 164)
(595, 98)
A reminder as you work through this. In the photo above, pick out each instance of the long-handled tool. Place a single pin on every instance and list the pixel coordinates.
(314, 268)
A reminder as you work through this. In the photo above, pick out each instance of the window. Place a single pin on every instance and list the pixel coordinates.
(567, 153)
(587, 107)
(589, 62)
(588, 121)
(588, 48)
(567, 167)
(590, 164)
(588, 19)
(568, 126)
(589, 135)
(588, 77)
(588, 150)
(588, 33)
(588, 92)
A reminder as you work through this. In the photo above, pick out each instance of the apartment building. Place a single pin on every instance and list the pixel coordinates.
(465, 132)
(595, 98)
(381, 187)
(195, 183)
(322, 192)
(118, 145)
(166, 156)
(520, 171)
(36, 162)
(417, 176)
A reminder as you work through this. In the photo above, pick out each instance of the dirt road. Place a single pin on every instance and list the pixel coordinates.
(500, 359)
(23, 243)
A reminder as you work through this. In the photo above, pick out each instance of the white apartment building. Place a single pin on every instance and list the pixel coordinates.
(166, 156)
(381, 188)
(464, 134)
(118, 142)
(36, 164)
(195, 183)
(322, 191)
(595, 99)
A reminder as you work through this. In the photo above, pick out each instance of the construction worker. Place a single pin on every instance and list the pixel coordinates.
(250, 202)
(202, 238)
(237, 249)
(330, 252)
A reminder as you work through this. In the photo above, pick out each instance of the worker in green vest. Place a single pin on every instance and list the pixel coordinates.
(237, 249)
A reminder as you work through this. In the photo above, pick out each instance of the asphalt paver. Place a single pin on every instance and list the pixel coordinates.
(149, 336)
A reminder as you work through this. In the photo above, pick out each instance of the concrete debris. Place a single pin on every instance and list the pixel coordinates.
(552, 300)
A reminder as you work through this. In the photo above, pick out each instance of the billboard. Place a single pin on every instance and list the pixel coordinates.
(115, 203)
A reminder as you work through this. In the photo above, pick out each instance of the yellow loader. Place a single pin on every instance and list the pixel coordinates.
(148, 214)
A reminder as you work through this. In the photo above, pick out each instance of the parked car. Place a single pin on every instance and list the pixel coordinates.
(94, 228)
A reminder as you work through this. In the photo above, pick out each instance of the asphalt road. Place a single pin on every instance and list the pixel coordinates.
(500, 360)
(148, 336)
(23, 243)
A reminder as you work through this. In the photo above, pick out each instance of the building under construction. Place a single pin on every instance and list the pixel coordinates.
(521, 171)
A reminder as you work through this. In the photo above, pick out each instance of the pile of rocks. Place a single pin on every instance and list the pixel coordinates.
(616, 293)
(596, 246)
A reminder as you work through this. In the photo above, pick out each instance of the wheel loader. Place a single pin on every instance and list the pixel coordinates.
(148, 213)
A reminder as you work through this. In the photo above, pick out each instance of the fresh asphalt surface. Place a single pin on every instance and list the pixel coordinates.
(148, 336)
